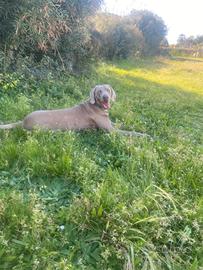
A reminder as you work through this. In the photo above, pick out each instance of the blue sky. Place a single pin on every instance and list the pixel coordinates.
(180, 16)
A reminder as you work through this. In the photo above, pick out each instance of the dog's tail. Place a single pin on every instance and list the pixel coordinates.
(12, 125)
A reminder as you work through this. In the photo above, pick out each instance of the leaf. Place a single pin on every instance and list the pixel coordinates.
(100, 211)
(18, 242)
(93, 212)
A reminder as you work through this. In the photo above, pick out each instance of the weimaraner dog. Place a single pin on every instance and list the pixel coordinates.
(91, 114)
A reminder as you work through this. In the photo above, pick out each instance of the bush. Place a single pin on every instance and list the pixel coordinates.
(141, 32)
(115, 38)
(152, 27)
(51, 28)
(64, 34)
(122, 41)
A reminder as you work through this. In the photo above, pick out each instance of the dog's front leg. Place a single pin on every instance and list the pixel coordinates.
(131, 133)
(108, 126)
(127, 133)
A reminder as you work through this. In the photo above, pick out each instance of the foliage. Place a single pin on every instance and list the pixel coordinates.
(123, 41)
(190, 42)
(116, 38)
(101, 201)
(67, 35)
(188, 46)
(141, 32)
(152, 27)
(192, 46)
(51, 28)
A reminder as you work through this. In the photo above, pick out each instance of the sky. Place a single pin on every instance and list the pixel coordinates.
(180, 16)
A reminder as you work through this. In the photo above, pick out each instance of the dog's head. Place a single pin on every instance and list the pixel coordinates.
(102, 95)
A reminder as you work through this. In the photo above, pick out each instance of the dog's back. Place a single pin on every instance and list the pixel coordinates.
(75, 118)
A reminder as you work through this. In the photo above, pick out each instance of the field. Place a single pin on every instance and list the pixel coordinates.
(92, 200)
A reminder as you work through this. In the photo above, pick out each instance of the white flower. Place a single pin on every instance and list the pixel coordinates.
(62, 227)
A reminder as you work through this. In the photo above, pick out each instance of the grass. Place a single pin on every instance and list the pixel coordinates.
(97, 201)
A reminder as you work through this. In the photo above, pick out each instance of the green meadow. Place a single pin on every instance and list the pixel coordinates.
(91, 200)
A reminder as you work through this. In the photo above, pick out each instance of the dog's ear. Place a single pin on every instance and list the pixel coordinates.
(113, 94)
(92, 95)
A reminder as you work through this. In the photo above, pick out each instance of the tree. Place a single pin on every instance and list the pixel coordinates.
(189, 42)
(116, 37)
(123, 40)
(181, 40)
(152, 27)
(199, 40)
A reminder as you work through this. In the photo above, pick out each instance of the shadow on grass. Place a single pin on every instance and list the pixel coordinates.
(120, 74)
(161, 108)
(52, 192)
(186, 59)
(146, 63)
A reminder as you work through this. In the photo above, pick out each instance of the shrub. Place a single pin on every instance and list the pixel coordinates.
(115, 37)
(152, 27)
(51, 28)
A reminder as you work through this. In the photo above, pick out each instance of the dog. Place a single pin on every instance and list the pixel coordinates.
(92, 114)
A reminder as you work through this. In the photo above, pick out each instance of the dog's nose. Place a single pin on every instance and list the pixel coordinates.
(105, 98)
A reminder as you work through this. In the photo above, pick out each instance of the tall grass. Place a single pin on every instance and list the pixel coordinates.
(92, 200)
